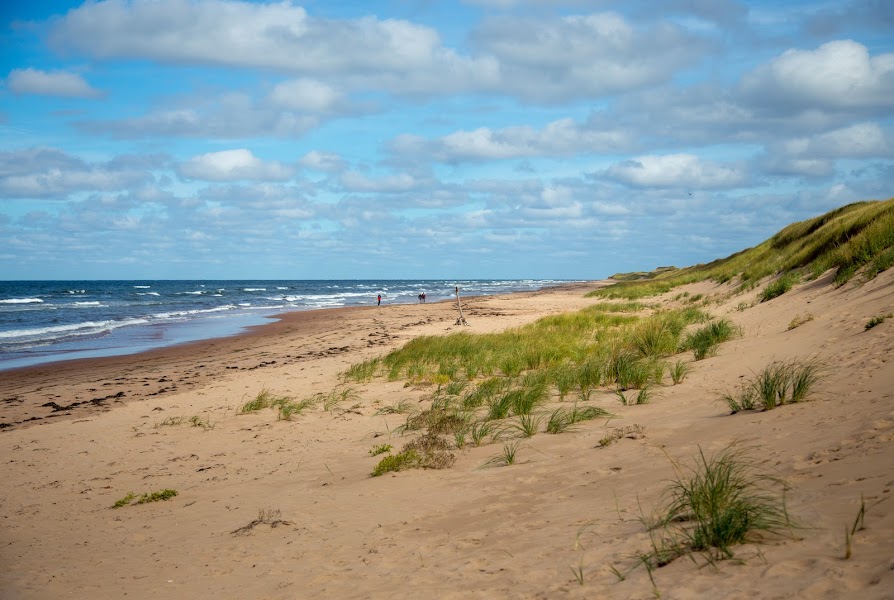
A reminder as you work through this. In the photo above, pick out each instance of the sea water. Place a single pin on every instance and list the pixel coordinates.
(46, 321)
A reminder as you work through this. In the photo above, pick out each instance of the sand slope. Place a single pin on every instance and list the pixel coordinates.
(466, 532)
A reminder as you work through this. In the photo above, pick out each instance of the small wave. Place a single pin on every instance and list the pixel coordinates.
(142, 287)
(254, 289)
(189, 313)
(77, 291)
(148, 294)
(85, 328)
(87, 304)
(198, 293)
(22, 301)
(245, 304)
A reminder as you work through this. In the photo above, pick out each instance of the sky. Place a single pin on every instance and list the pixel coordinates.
(224, 139)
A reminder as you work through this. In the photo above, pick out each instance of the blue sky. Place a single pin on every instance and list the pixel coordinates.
(418, 139)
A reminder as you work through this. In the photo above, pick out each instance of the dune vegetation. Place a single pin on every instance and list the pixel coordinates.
(855, 238)
(488, 387)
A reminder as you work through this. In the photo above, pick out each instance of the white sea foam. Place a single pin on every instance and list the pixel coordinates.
(197, 293)
(254, 289)
(84, 328)
(22, 301)
(142, 287)
(190, 313)
(88, 304)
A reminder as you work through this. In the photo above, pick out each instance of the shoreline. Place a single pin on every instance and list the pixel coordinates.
(142, 333)
(77, 387)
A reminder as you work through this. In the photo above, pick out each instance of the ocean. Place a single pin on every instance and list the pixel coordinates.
(47, 321)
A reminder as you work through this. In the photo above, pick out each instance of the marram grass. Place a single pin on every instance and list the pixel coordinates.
(852, 239)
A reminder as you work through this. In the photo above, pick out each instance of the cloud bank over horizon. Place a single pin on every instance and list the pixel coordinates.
(474, 138)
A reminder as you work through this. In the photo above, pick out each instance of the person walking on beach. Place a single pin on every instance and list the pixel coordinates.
(423, 297)
(380, 300)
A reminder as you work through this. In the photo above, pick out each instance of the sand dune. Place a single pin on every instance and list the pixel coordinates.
(287, 509)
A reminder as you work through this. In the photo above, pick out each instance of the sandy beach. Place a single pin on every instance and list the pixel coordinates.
(288, 509)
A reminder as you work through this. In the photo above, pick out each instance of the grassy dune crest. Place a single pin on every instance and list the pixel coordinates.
(855, 238)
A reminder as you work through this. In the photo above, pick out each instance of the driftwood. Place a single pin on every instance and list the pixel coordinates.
(461, 320)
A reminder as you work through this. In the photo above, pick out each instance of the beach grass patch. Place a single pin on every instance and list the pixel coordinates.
(392, 463)
(780, 382)
(528, 425)
(799, 320)
(428, 451)
(876, 320)
(563, 419)
(719, 502)
(362, 372)
(158, 496)
(125, 500)
(678, 371)
(505, 458)
(480, 431)
(379, 449)
(264, 399)
(781, 285)
(704, 341)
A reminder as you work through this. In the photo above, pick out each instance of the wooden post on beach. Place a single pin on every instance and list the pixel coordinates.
(460, 320)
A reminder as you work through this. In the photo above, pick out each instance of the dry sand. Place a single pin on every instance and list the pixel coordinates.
(509, 532)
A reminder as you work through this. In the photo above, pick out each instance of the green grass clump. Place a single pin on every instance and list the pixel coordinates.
(704, 341)
(379, 449)
(157, 496)
(876, 320)
(333, 399)
(563, 419)
(407, 459)
(612, 307)
(780, 382)
(679, 371)
(528, 425)
(779, 287)
(723, 500)
(505, 458)
(362, 372)
(125, 500)
(264, 399)
(644, 396)
(633, 290)
(286, 408)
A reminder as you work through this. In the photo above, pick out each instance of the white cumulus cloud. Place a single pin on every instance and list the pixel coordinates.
(838, 74)
(675, 171)
(233, 165)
